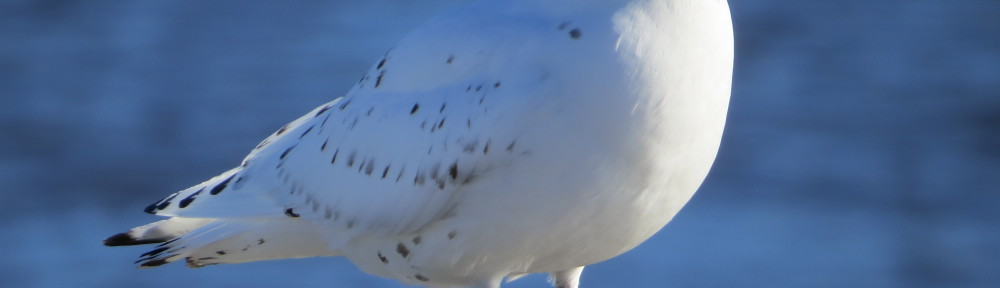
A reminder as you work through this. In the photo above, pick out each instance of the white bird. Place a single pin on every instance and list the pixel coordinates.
(504, 138)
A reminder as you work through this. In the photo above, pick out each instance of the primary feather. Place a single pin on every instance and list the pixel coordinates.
(505, 138)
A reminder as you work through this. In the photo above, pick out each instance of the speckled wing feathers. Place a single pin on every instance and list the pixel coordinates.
(383, 159)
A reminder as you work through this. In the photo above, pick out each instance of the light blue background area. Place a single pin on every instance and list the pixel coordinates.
(863, 145)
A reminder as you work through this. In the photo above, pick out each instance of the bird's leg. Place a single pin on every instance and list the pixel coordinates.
(566, 278)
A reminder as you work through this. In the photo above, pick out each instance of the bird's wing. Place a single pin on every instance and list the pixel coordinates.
(394, 153)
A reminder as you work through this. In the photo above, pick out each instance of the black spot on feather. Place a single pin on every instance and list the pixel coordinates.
(385, 260)
(124, 239)
(381, 63)
(323, 124)
(281, 130)
(401, 171)
(165, 243)
(453, 170)
(291, 213)
(190, 198)
(421, 277)
(402, 250)
(469, 148)
(378, 79)
(322, 110)
(414, 109)
(306, 132)
(283, 154)
(263, 143)
(222, 185)
(369, 167)
(186, 201)
(353, 123)
(154, 251)
(220, 252)
(350, 159)
(418, 179)
(163, 204)
(153, 263)
(344, 105)
(575, 33)
(151, 209)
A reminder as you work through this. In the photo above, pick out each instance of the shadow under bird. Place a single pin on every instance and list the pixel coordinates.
(501, 139)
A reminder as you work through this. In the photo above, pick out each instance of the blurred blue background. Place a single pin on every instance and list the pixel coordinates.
(863, 145)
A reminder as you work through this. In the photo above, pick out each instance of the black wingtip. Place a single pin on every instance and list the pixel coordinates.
(120, 239)
(153, 263)
(124, 239)
(155, 252)
(151, 209)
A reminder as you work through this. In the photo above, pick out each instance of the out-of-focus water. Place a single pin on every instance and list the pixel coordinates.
(862, 150)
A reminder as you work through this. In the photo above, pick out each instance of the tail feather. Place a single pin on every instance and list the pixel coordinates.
(216, 241)
(264, 240)
(156, 232)
(183, 245)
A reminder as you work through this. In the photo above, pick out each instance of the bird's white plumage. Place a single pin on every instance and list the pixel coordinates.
(504, 138)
